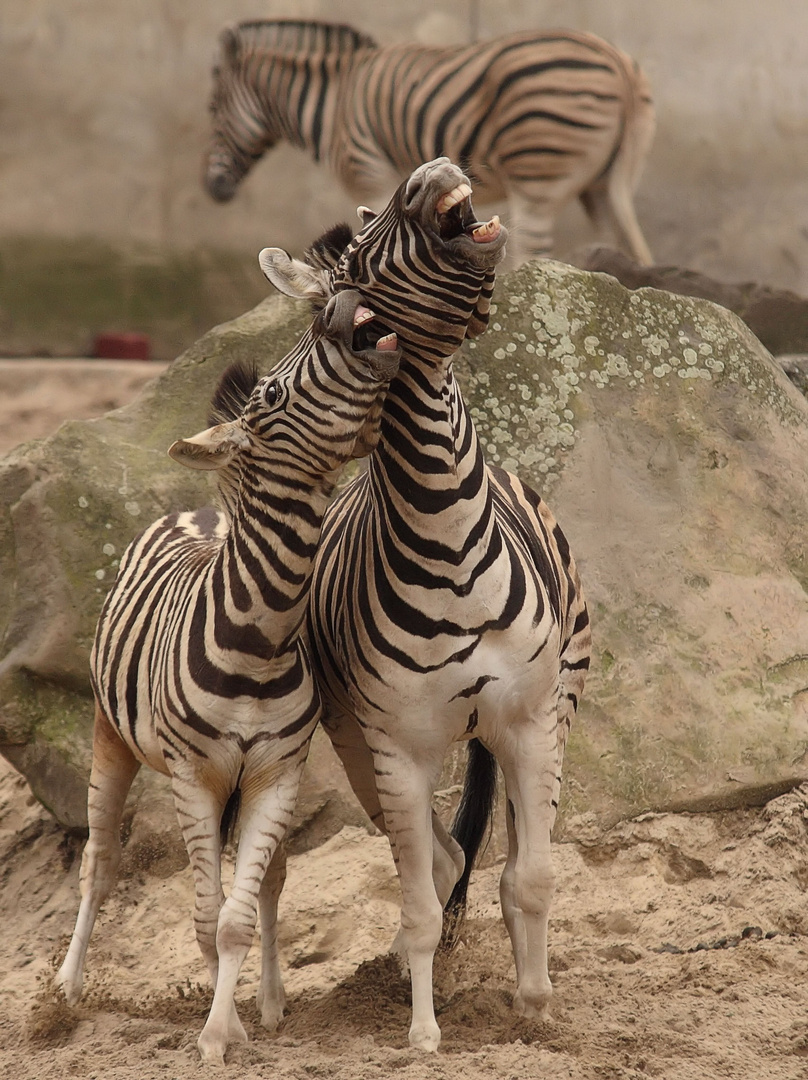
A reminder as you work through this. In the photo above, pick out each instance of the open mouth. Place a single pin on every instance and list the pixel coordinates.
(455, 217)
(369, 334)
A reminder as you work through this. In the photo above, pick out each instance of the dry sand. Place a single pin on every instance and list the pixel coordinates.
(652, 977)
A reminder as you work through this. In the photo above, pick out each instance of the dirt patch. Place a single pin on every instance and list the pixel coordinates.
(37, 395)
(655, 970)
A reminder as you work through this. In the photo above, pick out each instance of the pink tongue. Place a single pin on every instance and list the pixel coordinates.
(387, 344)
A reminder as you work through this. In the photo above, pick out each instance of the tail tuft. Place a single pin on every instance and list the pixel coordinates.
(472, 825)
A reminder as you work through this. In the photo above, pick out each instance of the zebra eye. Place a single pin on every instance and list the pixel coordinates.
(271, 393)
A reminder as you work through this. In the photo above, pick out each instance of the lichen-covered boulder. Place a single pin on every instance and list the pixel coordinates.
(674, 452)
(69, 505)
(777, 317)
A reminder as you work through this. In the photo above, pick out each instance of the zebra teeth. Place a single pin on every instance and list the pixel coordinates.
(484, 234)
(452, 198)
(388, 343)
(362, 315)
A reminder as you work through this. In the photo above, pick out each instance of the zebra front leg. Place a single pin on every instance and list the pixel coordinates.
(265, 817)
(113, 770)
(271, 997)
(408, 817)
(530, 766)
(200, 813)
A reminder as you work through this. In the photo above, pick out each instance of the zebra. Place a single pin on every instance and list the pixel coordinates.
(536, 118)
(198, 666)
(446, 604)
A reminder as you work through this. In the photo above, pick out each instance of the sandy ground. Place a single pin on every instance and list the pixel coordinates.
(653, 974)
(650, 976)
(36, 395)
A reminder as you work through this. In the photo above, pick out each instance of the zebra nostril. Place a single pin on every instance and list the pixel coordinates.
(413, 189)
(220, 188)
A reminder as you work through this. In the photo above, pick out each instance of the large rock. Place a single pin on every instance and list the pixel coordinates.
(674, 453)
(777, 317)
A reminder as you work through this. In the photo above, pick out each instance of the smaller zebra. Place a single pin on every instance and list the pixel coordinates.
(536, 118)
(198, 666)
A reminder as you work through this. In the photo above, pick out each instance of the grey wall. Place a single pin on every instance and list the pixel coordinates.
(103, 123)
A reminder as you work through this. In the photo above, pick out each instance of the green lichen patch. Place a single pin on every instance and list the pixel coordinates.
(558, 335)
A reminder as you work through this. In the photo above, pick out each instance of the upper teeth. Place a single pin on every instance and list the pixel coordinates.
(453, 197)
(362, 315)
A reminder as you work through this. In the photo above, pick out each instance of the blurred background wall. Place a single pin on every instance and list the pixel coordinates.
(103, 123)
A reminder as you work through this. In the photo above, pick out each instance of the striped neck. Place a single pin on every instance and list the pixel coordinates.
(428, 477)
(284, 61)
(259, 581)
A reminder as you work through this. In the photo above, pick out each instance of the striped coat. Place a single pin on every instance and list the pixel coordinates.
(537, 118)
(199, 669)
(446, 604)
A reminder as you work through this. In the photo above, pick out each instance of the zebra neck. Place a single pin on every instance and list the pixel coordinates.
(428, 475)
(309, 128)
(260, 579)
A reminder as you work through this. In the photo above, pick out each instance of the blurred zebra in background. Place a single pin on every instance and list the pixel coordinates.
(537, 118)
(446, 605)
(198, 667)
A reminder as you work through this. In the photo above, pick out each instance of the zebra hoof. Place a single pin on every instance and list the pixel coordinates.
(70, 988)
(211, 1048)
(425, 1037)
(532, 1008)
(272, 1010)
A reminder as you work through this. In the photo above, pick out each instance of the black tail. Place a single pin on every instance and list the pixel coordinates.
(472, 824)
(229, 819)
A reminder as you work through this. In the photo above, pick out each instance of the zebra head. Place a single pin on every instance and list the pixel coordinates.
(425, 264)
(242, 128)
(318, 408)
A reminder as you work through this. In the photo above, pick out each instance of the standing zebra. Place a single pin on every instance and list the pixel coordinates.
(198, 667)
(445, 602)
(537, 118)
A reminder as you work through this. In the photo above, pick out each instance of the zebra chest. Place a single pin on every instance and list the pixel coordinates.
(458, 685)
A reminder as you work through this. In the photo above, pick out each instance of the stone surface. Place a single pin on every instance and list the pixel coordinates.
(674, 453)
(777, 317)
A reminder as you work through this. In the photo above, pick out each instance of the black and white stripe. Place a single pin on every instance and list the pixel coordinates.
(198, 667)
(445, 602)
(537, 118)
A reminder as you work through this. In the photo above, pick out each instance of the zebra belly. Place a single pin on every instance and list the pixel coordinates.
(509, 679)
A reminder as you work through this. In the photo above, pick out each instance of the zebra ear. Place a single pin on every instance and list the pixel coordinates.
(365, 215)
(212, 448)
(293, 277)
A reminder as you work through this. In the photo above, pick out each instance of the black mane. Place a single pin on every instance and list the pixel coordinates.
(233, 392)
(326, 250)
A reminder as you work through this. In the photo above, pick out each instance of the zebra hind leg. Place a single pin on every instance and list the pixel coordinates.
(271, 998)
(113, 770)
(610, 208)
(530, 765)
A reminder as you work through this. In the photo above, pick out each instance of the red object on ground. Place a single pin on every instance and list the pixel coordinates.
(127, 346)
